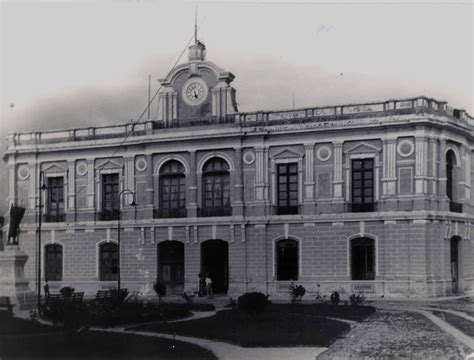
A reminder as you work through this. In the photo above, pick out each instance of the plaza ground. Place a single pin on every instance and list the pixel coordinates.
(398, 329)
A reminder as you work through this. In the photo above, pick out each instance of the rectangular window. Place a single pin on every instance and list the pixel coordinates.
(55, 200)
(362, 185)
(110, 197)
(287, 188)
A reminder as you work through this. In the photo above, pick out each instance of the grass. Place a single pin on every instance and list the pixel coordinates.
(279, 325)
(21, 339)
(466, 326)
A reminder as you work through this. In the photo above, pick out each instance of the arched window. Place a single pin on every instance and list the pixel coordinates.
(108, 262)
(287, 260)
(172, 190)
(216, 188)
(363, 259)
(53, 262)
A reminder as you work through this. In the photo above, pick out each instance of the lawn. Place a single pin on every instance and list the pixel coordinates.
(466, 326)
(279, 325)
(20, 339)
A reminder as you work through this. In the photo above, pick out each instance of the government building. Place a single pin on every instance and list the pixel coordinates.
(371, 197)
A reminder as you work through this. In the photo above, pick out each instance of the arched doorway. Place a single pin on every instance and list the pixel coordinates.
(456, 271)
(215, 262)
(171, 265)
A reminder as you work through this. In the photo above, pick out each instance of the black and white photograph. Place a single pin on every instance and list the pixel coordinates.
(237, 180)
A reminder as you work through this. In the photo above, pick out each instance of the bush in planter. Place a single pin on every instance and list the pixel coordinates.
(253, 303)
(335, 298)
(357, 300)
(160, 289)
(296, 292)
(67, 291)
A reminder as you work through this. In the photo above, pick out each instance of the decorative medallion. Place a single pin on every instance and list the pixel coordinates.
(324, 153)
(81, 168)
(141, 164)
(405, 148)
(249, 157)
(23, 172)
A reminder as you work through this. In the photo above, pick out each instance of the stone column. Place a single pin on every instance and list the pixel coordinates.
(192, 186)
(238, 205)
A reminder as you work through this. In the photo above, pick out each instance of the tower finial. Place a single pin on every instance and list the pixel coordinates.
(195, 25)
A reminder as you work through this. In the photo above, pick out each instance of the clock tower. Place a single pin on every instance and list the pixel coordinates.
(197, 91)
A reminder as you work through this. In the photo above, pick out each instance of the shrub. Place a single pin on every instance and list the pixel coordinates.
(296, 292)
(335, 298)
(160, 289)
(67, 291)
(357, 300)
(253, 303)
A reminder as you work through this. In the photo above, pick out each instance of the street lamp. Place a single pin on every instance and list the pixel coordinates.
(42, 188)
(125, 191)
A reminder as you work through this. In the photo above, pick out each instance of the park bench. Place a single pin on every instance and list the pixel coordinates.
(111, 297)
(103, 296)
(188, 298)
(6, 303)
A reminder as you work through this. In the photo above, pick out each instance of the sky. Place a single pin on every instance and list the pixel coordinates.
(71, 64)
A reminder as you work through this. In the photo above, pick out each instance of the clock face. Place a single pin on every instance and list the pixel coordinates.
(194, 91)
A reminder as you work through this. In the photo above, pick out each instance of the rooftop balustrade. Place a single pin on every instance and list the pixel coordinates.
(257, 118)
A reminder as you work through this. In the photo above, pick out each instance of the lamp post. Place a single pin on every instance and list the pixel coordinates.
(42, 187)
(125, 191)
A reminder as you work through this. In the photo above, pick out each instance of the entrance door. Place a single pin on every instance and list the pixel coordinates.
(171, 265)
(454, 244)
(215, 262)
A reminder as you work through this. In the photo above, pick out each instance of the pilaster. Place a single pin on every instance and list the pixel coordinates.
(389, 180)
(193, 195)
(338, 182)
(238, 186)
(308, 199)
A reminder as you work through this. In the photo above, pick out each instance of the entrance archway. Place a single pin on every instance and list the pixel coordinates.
(456, 271)
(215, 262)
(171, 265)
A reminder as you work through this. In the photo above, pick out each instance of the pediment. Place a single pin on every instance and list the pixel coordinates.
(363, 147)
(108, 164)
(54, 168)
(287, 153)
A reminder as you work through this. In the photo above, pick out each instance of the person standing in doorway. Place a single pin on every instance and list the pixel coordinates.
(209, 292)
(201, 286)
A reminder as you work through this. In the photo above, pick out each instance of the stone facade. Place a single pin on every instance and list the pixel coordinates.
(415, 222)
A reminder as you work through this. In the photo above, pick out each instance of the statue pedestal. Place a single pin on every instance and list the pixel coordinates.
(12, 278)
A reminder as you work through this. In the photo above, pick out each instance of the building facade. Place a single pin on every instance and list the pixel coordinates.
(370, 197)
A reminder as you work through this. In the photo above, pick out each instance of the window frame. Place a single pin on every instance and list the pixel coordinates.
(109, 275)
(220, 205)
(363, 205)
(45, 263)
(166, 175)
(114, 213)
(288, 209)
(55, 213)
(276, 267)
(374, 266)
